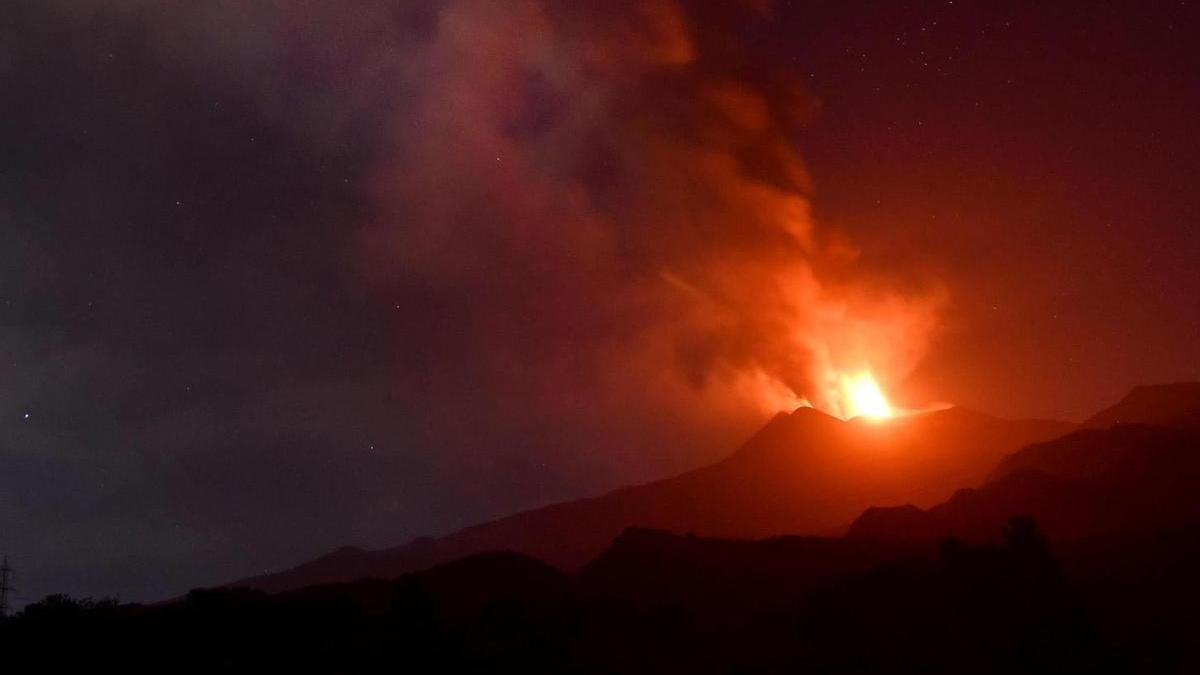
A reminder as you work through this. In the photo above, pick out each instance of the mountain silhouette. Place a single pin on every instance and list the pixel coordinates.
(1118, 501)
(729, 579)
(803, 473)
(653, 602)
(1176, 404)
(1090, 484)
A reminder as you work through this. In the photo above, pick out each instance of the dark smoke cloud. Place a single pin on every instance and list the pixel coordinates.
(282, 276)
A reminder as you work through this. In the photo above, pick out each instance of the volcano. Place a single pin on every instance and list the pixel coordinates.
(803, 473)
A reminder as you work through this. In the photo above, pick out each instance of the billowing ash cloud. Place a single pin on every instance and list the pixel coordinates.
(301, 273)
(617, 190)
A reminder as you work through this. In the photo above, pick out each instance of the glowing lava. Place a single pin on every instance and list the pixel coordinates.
(861, 397)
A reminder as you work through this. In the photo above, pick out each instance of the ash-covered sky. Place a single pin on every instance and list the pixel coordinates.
(281, 276)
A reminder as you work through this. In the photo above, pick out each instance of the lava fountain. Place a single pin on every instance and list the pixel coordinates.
(859, 395)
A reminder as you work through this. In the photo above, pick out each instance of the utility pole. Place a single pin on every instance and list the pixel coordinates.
(5, 573)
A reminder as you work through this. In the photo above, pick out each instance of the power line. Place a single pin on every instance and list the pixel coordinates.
(5, 575)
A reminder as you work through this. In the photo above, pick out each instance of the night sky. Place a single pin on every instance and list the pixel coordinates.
(277, 277)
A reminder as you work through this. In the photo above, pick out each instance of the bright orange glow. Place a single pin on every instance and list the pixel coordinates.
(860, 396)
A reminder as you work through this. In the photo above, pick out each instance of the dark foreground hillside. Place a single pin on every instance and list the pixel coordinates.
(787, 605)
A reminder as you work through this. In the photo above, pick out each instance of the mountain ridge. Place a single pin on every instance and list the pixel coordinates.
(1172, 403)
(803, 472)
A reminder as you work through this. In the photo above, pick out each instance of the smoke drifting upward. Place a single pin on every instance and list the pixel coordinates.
(588, 206)
(618, 194)
(410, 264)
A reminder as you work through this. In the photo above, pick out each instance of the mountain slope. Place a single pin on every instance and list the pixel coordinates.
(1090, 484)
(1134, 466)
(1161, 404)
(654, 602)
(730, 577)
(803, 473)
(1118, 504)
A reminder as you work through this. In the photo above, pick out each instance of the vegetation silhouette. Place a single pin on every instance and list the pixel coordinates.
(953, 607)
